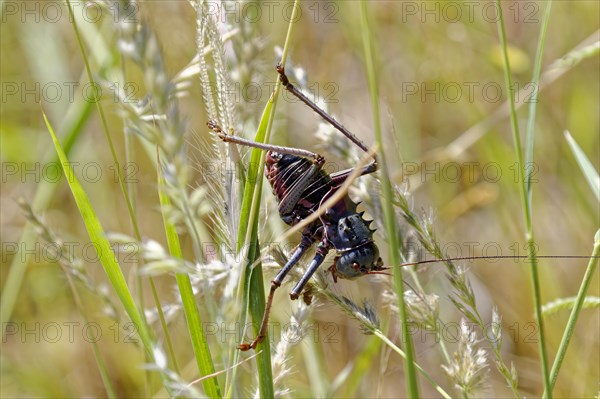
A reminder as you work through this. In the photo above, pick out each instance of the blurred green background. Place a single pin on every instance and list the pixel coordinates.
(441, 76)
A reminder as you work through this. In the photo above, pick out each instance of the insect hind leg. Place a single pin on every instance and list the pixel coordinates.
(292, 89)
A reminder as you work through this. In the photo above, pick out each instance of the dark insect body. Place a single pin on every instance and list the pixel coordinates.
(302, 187)
(301, 191)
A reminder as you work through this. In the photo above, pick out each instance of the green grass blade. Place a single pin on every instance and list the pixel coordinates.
(531, 245)
(254, 174)
(253, 284)
(256, 307)
(102, 246)
(14, 279)
(586, 166)
(253, 274)
(43, 195)
(105, 129)
(119, 171)
(412, 386)
(194, 322)
(535, 80)
(251, 293)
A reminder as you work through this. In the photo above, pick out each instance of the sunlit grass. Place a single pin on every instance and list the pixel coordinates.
(195, 283)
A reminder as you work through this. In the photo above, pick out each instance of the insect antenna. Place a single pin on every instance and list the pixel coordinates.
(379, 271)
(498, 257)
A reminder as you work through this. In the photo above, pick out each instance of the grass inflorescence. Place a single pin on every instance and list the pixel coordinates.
(188, 243)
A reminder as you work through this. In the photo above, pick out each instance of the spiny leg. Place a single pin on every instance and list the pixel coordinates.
(372, 167)
(305, 243)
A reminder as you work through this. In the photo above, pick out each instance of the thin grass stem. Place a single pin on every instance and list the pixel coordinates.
(570, 328)
(526, 204)
(388, 210)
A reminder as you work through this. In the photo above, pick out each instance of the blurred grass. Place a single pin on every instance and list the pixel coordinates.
(414, 52)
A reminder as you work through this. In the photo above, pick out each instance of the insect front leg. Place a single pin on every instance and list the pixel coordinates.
(305, 243)
(322, 250)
